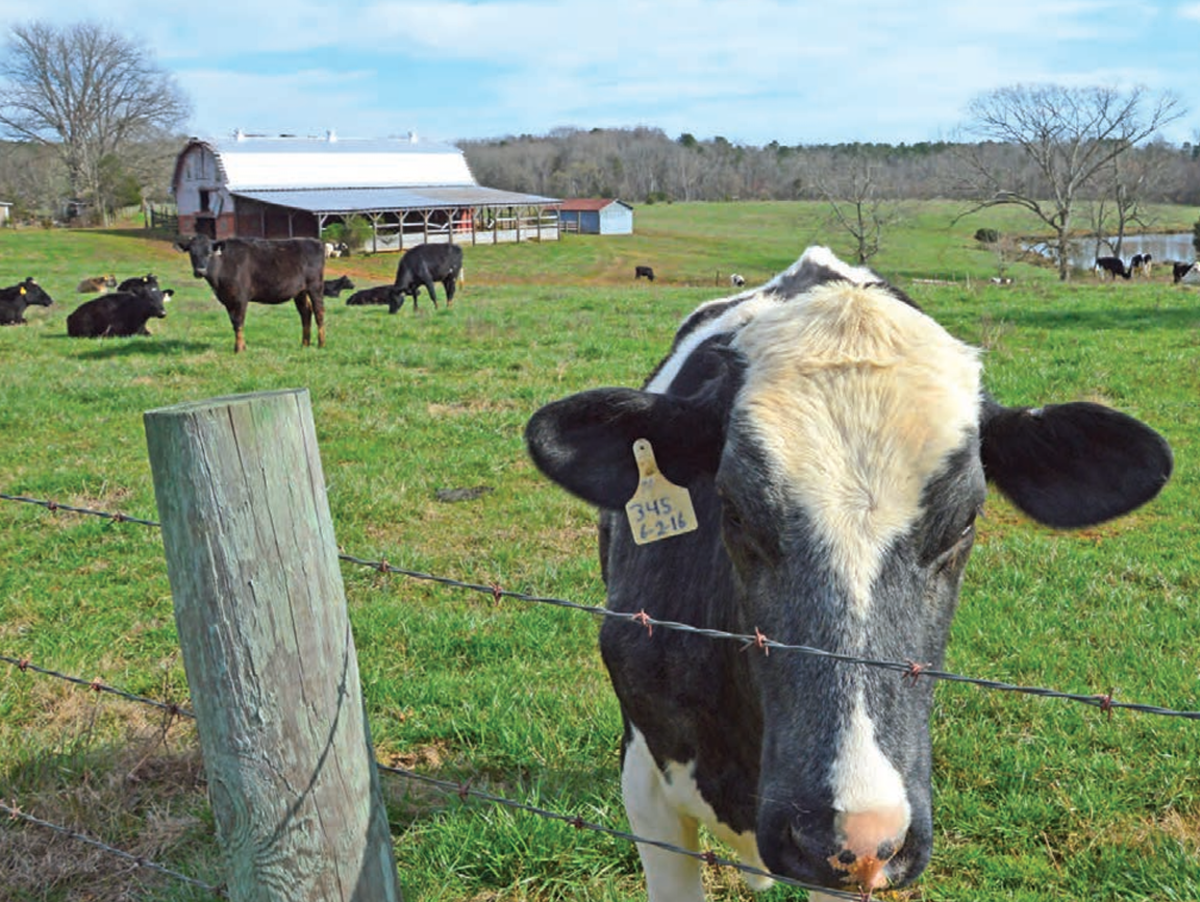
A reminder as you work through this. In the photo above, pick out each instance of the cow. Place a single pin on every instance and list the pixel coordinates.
(1113, 266)
(377, 294)
(1180, 269)
(119, 313)
(15, 298)
(643, 272)
(96, 283)
(334, 287)
(264, 270)
(336, 249)
(836, 443)
(424, 265)
(737, 280)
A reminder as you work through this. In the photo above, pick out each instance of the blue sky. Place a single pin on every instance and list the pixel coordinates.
(751, 71)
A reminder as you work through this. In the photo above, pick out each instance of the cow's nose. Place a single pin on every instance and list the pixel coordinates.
(867, 842)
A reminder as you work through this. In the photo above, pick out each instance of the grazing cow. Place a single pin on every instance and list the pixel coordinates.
(120, 313)
(737, 280)
(835, 442)
(378, 294)
(643, 272)
(96, 283)
(334, 287)
(1140, 264)
(264, 270)
(424, 265)
(1112, 266)
(15, 298)
(1179, 270)
(337, 249)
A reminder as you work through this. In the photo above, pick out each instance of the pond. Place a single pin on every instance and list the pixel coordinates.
(1082, 253)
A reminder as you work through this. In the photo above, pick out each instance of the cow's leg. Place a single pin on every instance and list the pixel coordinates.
(449, 284)
(429, 283)
(319, 310)
(670, 877)
(305, 308)
(237, 317)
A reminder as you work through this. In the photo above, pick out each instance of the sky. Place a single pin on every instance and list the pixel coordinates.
(751, 71)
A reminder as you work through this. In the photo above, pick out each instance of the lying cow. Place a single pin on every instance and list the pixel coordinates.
(134, 283)
(120, 313)
(377, 294)
(96, 283)
(835, 442)
(424, 265)
(264, 270)
(15, 298)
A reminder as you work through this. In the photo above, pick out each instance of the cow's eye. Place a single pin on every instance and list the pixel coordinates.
(957, 544)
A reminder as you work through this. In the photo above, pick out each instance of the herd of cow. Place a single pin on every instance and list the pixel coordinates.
(241, 271)
(1139, 265)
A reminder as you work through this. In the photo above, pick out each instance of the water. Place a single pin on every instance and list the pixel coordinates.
(1082, 252)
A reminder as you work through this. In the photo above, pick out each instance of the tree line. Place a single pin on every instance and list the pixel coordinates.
(89, 117)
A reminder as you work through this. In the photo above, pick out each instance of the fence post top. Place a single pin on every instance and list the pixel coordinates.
(185, 407)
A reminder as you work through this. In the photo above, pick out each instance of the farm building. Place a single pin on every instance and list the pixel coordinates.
(411, 192)
(596, 216)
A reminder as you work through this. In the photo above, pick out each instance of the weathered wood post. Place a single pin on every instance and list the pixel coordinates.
(261, 612)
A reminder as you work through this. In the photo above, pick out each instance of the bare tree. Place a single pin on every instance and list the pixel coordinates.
(86, 94)
(860, 199)
(1070, 135)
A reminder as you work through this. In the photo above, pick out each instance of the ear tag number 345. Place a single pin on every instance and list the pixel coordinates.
(659, 509)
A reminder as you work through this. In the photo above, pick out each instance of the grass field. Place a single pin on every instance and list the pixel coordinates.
(1035, 799)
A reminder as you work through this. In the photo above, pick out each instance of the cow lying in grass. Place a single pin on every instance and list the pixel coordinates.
(119, 313)
(15, 298)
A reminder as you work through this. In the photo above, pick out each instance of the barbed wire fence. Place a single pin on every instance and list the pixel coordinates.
(908, 671)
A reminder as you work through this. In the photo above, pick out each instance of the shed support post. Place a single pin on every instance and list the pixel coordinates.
(261, 613)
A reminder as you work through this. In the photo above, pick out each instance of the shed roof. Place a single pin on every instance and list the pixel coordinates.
(257, 162)
(379, 200)
(588, 204)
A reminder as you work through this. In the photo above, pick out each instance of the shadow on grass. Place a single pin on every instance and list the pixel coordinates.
(108, 348)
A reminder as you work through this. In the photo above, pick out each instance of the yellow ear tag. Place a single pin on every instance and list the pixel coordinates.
(22, 291)
(659, 509)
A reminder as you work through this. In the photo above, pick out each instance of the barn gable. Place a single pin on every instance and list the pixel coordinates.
(411, 191)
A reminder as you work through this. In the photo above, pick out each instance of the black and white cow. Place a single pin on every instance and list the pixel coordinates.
(264, 270)
(15, 298)
(120, 313)
(1179, 269)
(1113, 267)
(835, 441)
(424, 265)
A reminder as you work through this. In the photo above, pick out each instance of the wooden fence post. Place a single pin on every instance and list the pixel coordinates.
(261, 612)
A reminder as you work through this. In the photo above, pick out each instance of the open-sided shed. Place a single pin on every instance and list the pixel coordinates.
(412, 192)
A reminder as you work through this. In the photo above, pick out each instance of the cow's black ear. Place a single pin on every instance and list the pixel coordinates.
(585, 442)
(1072, 465)
(217, 247)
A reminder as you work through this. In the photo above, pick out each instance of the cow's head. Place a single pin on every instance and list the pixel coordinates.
(33, 293)
(837, 442)
(201, 249)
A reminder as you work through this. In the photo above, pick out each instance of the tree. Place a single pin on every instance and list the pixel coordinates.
(86, 94)
(1069, 135)
(861, 202)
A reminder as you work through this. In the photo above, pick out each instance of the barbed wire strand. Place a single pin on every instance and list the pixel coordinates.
(96, 685)
(14, 813)
(909, 670)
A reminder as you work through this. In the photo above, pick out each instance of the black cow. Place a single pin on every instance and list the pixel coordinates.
(1113, 266)
(378, 294)
(643, 272)
(836, 444)
(15, 298)
(1179, 270)
(264, 270)
(334, 287)
(119, 313)
(424, 265)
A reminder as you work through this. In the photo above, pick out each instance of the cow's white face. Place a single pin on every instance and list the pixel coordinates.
(855, 413)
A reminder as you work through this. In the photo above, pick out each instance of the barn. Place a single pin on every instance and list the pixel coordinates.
(596, 216)
(411, 192)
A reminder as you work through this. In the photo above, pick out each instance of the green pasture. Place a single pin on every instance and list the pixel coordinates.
(1035, 798)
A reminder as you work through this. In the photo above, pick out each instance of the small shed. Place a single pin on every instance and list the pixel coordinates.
(596, 216)
(5, 212)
